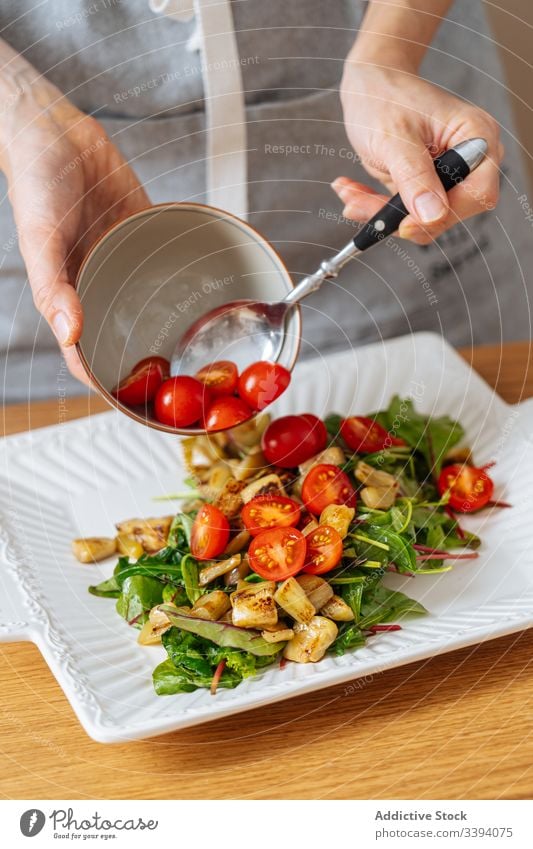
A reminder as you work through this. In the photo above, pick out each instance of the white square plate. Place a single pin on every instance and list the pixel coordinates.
(79, 478)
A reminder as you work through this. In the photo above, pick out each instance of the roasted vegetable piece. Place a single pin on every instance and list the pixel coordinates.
(151, 533)
(211, 606)
(333, 456)
(293, 599)
(317, 590)
(158, 622)
(378, 498)
(149, 636)
(237, 544)
(238, 573)
(223, 634)
(254, 606)
(249, 433)
(128, 546)
(93, 549)
(339, 517)
(373, 477)
(268, 484)
(337, 609)
(229, 502)
(216, 569)
(311, 641)
(278, 633)
(250, 465)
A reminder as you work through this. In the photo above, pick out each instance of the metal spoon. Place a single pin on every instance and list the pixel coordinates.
(246, 330)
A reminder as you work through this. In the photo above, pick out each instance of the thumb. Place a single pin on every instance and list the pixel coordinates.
(413, 172)
(54, 296)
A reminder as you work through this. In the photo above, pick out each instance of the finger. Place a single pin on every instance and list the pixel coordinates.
(361, 202)
(413, 172)
(53, 294)
(75, 366)
(478, 193)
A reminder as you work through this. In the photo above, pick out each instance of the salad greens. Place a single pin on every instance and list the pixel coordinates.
(414, 536)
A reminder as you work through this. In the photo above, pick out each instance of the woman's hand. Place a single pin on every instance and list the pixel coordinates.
(67, 184)
(398, 123)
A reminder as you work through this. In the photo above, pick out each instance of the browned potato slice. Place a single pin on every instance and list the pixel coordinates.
(278, 633)
(218, 568)
(149, 636)
(293, 599)
(338, 516)
(311, 641)
(336, 608)
(128, 546)
(263, 486)
(317, 590)
(373, 477)
(254, 605)
(378, 498)
(211, 606)
(93, 549)
(151, 533)
(230, 501)
(333, 456)
(237, 544)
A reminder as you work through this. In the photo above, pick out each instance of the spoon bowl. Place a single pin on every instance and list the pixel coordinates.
(153, 274)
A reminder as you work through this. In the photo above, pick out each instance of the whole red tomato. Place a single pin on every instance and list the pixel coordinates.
(291, 440)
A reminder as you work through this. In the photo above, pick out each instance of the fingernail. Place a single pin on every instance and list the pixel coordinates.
(429, 207)
(61, 327)
(345, 194)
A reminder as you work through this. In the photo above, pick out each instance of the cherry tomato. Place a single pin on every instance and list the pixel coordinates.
(324, 485)
(324, 550)
(270, 511)
(140, 386)
(210, 533)
(291, 440)
(470, 488)
(225, 412)
(221, 377)
(179, 401)
(163, 364)
(364, 436)
(261, 383)
(278, 553)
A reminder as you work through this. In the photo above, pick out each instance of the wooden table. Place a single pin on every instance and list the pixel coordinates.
(456, 726)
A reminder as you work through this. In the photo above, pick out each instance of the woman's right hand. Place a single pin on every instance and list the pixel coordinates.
(67, 184)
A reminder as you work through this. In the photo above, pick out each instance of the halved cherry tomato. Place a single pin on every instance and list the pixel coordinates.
(324, 550)
(221, 377)
(225, 412)
(291, 440)
(156, 361)
(180, 401)
(140, 386)
(261, 383)
(324, 485)
(470, 488)
(364, 436)
(210, 533)
(270, 511)
(278, 553)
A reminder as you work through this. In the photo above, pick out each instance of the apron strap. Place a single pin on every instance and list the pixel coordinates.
(225, 116)
(224, 107)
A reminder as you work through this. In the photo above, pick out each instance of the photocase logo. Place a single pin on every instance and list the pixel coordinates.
(32, 822)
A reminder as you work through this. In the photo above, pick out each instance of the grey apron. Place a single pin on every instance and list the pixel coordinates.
(131, 68)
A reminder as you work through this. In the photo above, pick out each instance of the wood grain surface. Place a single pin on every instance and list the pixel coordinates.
(455, 726)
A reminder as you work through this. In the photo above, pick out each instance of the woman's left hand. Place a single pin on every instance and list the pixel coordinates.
(397, 123)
